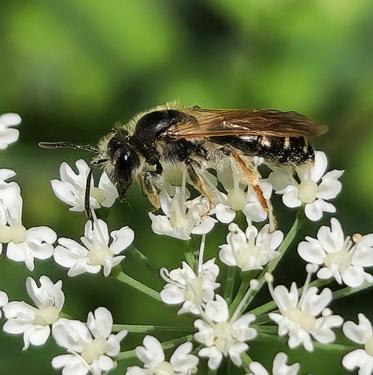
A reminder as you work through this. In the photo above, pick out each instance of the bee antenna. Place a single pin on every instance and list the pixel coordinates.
(87, 195)
(65, 145)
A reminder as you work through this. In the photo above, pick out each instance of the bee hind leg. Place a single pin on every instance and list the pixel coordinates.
(253, 177)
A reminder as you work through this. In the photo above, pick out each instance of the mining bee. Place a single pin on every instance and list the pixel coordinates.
(195, 137)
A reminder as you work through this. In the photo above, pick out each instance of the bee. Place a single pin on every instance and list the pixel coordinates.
(193, 137)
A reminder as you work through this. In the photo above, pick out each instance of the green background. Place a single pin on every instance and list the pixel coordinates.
(73, 68)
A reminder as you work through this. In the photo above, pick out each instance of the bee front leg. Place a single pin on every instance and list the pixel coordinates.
(253, 177)
(150, 188)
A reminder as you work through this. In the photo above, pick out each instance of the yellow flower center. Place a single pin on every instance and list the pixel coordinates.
(342, 259)
(307, 191)
(369, 346)
(303, 318)
(94, 350)
(98, 194)
(223, 337)
(15, 233)
(47, 316)
(97, 256)
(164, 368)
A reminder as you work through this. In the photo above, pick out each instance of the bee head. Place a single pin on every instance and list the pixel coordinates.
(125, 161)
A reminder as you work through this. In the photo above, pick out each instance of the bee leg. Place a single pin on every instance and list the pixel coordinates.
(199, 183)
(254, 177)
(150, 189)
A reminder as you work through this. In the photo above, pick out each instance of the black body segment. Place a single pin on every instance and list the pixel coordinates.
(282, 150)
(149, 127)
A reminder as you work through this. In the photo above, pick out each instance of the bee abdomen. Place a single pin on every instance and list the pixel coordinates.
(283, 150)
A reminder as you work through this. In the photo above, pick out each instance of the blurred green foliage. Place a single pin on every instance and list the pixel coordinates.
(73, 68)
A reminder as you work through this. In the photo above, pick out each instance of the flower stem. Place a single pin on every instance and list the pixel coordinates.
(348, 291)
(246, 360)
(189, 253)
(246, 277)
(165, 345)
(250, 294)
(128, 280)
(135, 328)
(229, 284)
(317, 345)
(142, 259)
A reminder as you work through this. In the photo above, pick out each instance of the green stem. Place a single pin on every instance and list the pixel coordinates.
(345, 292)
(246, 277)
(142, 259)
(128, 280)
(250, 294)
(165, 345)
(246, 360)
(317, 345)
(135, 328)
(189, 253)
(229, 284)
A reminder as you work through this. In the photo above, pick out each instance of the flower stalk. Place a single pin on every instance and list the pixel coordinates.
(128, 280)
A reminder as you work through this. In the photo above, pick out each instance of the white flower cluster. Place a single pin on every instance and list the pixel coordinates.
(224, 328)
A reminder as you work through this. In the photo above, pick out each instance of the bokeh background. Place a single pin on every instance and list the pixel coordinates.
(73, 68)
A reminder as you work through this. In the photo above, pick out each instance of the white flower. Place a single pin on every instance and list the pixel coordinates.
(26, 245)
(301, 317)
(92, 347)
(279, 367)
(190, 289)
(362, 334)
(10, 207)
(339, 257)
(34, 322)
(182, 362)
(3, 300)
(8, 135)
(71, 188)
(182, 218)
(314, 187)
(99, 250)
(222, 336)
(250, 250)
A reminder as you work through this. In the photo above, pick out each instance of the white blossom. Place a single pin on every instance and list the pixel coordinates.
(3, 300)
(340, 257)
(314, 188)
(10, 207)
(8, 135)
(27, 244)
(99, 250)
(362, 334)
(182, 218)
(222, 336)
(303, 316)
(188, 288)
(34, 322)
(250, 250)
(182, 362)
(72, 186)
(91, 346)
(24, 245)
(279, 367)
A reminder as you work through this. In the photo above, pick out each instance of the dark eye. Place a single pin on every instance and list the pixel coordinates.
(126, 164)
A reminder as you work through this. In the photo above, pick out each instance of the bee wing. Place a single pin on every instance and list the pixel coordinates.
(206, 123)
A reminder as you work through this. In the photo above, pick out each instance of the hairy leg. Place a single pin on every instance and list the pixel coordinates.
(253, 178)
